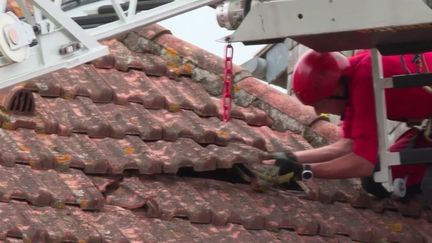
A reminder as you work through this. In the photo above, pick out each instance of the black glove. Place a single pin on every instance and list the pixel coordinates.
(288, 165)
(287, 162)
(285, 169)
(289, 168)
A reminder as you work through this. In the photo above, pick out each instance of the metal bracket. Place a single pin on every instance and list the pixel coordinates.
(62, 43)
(45, 57)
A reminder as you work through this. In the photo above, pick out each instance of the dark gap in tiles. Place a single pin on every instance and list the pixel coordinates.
(292, 186)
(112, 187)
(232, 175)
(228, 175)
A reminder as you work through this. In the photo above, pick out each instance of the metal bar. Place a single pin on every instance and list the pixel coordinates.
(149, 17)
(61, 19)
(412, 80)
(59, 30)
(52, 61)
(45, 57)
(118, 10)
(319, 26)
(26, 12)
(132, 9)
(2, 6)
(416, 156)
(385, 159)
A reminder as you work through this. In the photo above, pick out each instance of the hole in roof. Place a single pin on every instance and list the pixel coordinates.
(231, 175)
(228, 175)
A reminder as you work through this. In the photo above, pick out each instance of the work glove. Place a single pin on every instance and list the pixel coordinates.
(264, 176)
(288, 166)
(285, 169)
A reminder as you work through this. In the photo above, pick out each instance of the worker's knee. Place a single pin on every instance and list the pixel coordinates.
(374, 188)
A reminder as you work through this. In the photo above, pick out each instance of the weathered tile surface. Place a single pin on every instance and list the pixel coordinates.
(91, 163)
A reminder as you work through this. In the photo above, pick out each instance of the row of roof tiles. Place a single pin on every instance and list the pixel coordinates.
(147, 205)
(94, 123)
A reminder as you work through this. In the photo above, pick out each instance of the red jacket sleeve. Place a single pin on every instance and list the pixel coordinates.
(360, 120)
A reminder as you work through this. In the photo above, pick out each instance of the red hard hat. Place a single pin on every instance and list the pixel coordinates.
(317, 75)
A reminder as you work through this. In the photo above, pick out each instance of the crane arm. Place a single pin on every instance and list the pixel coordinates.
(47, 39)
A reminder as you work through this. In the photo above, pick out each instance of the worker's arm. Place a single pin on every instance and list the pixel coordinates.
(347, 166)
(325, 153)
(336, 161)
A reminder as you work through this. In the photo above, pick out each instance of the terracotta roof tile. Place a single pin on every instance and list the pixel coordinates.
(46, 86)
(327, 130)
(83, 81)
(174, 49)
(125, 60)
(79, 115)
(282, 141)
(119, 225)
(134, 87)
(49, 188)
(91, 163)
(286, 104)
(132, 119)
(152, 31)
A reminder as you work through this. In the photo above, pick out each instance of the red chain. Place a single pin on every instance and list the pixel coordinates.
(228, 73)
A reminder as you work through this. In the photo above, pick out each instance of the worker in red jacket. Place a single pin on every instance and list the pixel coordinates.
(333, 83)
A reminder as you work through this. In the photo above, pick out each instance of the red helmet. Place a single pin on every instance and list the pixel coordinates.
(316, 75)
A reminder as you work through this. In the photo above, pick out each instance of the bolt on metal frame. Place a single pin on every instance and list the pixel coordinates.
(58, 30)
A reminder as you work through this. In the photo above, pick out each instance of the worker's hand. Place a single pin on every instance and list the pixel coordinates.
(288, 166)
(284, 170)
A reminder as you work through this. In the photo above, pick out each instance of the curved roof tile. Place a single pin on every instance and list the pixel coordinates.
(131, 147)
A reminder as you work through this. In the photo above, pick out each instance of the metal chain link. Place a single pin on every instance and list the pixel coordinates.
(228, 73)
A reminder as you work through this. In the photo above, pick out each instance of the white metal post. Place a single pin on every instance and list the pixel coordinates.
(386, 159)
